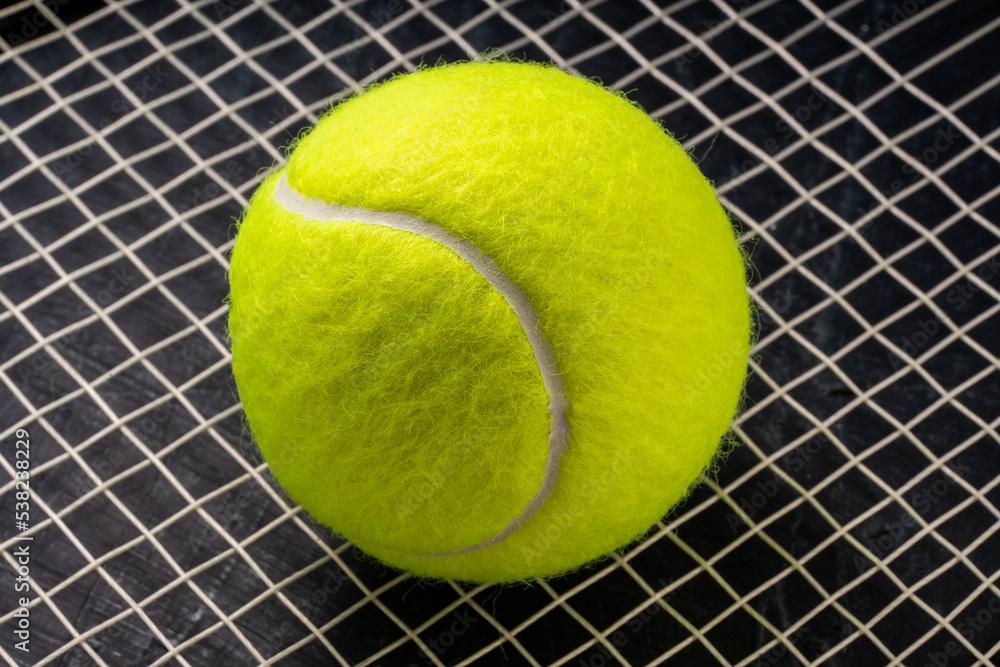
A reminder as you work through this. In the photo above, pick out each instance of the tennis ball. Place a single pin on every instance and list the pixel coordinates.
(489, 322)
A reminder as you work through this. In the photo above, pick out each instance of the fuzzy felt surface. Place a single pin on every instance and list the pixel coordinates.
(392, 390)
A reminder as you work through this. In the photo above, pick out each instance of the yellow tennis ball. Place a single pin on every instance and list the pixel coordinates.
(489, 322)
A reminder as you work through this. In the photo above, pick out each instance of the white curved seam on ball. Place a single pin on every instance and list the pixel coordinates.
(322, 211)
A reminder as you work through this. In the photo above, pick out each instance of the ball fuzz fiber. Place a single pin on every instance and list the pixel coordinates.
(489, 322)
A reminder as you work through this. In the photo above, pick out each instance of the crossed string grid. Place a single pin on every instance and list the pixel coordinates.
(145, 28)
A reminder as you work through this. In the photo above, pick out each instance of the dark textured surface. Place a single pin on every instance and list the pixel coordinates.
(815, 531)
